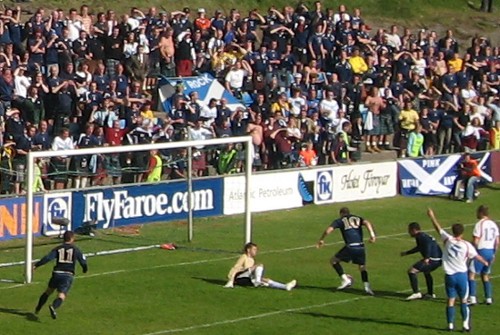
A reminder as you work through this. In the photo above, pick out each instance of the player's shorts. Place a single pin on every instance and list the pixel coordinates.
(457, 285)
(61, 282)
(478, 267)
(354, 254)
(244, 278)
(421, 266)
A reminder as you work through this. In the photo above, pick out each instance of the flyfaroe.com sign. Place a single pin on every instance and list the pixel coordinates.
(147, 203)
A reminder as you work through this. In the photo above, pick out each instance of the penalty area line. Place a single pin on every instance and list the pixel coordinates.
(278, 312)
(202, 261)
(252, 317)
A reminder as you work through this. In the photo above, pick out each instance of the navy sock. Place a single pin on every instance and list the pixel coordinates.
(430, 283)
(338, 268)
(364, 276)
(42, 301)
(413, 281)
(57, 303)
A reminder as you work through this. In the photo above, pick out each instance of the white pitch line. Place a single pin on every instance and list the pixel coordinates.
(212, 260)
(265, 315)
(257, 316)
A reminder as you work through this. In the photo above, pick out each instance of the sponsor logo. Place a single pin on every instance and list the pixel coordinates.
(324, 185)
(120, 205)
(56, 205)
(363, 181)
(304, 190)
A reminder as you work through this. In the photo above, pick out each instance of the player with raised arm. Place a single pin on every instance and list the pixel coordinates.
(485, 239)
(66, 256)
(431, 260)
(457, 252)
(246, 272)
(351, 227)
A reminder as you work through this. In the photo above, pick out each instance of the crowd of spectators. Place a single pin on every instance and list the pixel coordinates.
(321, 87)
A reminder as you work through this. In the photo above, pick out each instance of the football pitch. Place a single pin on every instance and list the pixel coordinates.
(156, 291)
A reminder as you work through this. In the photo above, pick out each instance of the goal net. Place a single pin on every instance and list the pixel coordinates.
(105, 211)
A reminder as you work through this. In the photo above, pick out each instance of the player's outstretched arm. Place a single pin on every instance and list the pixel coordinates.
(327, 232)
(435, 223)
(369, 226)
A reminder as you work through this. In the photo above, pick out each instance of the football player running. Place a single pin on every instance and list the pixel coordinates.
(351, 227)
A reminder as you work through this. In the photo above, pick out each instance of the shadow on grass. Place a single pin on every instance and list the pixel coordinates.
(310, 287)
(371, 320)
(494, 187)
(378, 293)
(28, 315)
(212, 281)
(208, 250)
(401, 296)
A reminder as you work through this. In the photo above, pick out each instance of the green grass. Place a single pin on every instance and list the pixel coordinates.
(439, 15)
(162, 292)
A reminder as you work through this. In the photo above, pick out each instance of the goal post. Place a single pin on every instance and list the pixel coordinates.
(30, 178)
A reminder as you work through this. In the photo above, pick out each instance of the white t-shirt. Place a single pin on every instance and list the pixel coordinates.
(235, 78)
(329, 109)
(297, 104)
(468, 94)
(420, 66)
(199, 134)
(394, 41)
(487, 232)
(21, 84)
(456, 254)
(59, 144)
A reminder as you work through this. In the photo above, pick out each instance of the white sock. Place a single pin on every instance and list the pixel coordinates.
(259, 270)
(367, 284)
(344, 277)
(275, 284)
(77, 182)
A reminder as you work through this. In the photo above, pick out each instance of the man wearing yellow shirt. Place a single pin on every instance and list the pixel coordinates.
(495, 136)
(456, 62)
(245, 272)
(408, 120)
(146, 111)
(358, 63)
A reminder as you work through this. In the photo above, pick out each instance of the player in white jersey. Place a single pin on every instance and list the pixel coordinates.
(457, 252)
(246, 272)
(485, 239)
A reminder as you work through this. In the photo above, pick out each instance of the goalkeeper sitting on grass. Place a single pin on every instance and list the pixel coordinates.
(247, 273)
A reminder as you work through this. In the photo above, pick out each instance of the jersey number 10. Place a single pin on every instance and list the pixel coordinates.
(351, 222)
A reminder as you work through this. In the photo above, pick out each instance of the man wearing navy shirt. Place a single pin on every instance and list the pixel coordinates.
(431, 253)
(351, 227)
(66, 256)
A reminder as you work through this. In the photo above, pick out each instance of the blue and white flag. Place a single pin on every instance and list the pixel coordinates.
(436, 175)
(207, 87)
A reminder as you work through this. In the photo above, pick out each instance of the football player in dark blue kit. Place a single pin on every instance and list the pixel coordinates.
(351, 227)
(66, 256)
(431, 253)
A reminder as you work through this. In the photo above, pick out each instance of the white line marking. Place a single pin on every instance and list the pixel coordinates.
(257, 316)
(212, 260)
(265, 315)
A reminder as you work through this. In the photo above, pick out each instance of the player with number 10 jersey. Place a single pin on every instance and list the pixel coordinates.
(351, 227)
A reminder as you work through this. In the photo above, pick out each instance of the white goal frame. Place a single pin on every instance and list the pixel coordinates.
(32, 155)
